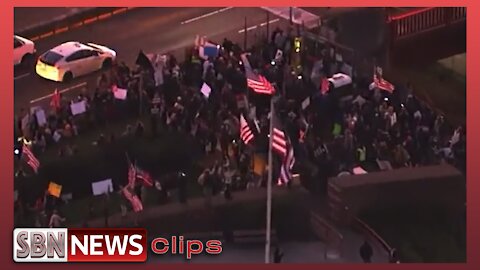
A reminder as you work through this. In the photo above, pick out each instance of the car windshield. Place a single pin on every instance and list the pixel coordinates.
(50, 58)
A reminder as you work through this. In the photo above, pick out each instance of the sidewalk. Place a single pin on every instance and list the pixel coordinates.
(28, 17)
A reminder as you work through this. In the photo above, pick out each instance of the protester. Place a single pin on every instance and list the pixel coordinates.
(366, 252)
(370, 129)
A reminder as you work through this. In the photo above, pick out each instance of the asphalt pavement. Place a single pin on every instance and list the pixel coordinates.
(159, 30)
(27, 17)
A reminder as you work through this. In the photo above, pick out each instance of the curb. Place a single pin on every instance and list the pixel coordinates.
(69, 21)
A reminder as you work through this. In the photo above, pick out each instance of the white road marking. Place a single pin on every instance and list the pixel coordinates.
(21, 76)
(206, 15)
(61, 92)
(260, 25)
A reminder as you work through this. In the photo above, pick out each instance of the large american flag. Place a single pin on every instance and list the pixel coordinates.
(381, 83)
(257, 82)
(245, 132)
(30, 158)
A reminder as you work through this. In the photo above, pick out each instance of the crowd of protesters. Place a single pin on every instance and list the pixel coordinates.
(374, 129)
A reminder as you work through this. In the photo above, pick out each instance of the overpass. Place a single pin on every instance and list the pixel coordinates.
(426, 35)
(404, 35)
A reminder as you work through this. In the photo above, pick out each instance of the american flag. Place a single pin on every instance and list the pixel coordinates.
(287, 166)
(260, 84)
(30, 158)
(381, 83)
(133, 199)
(245, 132)
(132, 175)
(257, 82)
(279, 138)
(144, 176)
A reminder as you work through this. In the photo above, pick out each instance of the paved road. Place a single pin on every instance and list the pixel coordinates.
(25, 17)
(150, 29)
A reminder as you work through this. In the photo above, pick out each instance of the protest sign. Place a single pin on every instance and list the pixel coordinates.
(57, 136)
(206, 90)
(54, 189)
(337, 129)
(67, 197)
(119, 93)
(78, 107)
(305, 103)
(359, 170)
(41, 118)
(102, 187)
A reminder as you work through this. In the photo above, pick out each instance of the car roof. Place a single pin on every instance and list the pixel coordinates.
(70, 47)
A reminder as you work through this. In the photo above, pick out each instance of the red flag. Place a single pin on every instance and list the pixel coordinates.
(144, 176)
(381, 83)
(325, 86)
(55, 102)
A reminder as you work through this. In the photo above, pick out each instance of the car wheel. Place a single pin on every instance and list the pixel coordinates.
(107, 63)
(67, 77)
(27, 61)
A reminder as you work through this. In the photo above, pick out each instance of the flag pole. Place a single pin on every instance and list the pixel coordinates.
(269, 188)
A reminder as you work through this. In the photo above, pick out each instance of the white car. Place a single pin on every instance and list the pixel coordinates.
(23, 51)
(73, 59)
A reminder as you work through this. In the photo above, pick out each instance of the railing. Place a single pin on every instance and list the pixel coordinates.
(333, 238)
(373, 236)
(425, 19)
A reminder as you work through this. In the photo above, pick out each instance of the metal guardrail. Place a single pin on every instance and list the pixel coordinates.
(425, 19)
(325, 231)
(373, 236)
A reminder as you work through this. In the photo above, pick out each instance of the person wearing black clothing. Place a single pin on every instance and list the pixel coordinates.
(366, 252)
(277, 255)
(227, 45)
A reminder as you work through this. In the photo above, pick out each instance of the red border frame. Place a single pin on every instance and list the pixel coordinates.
(6, 111)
